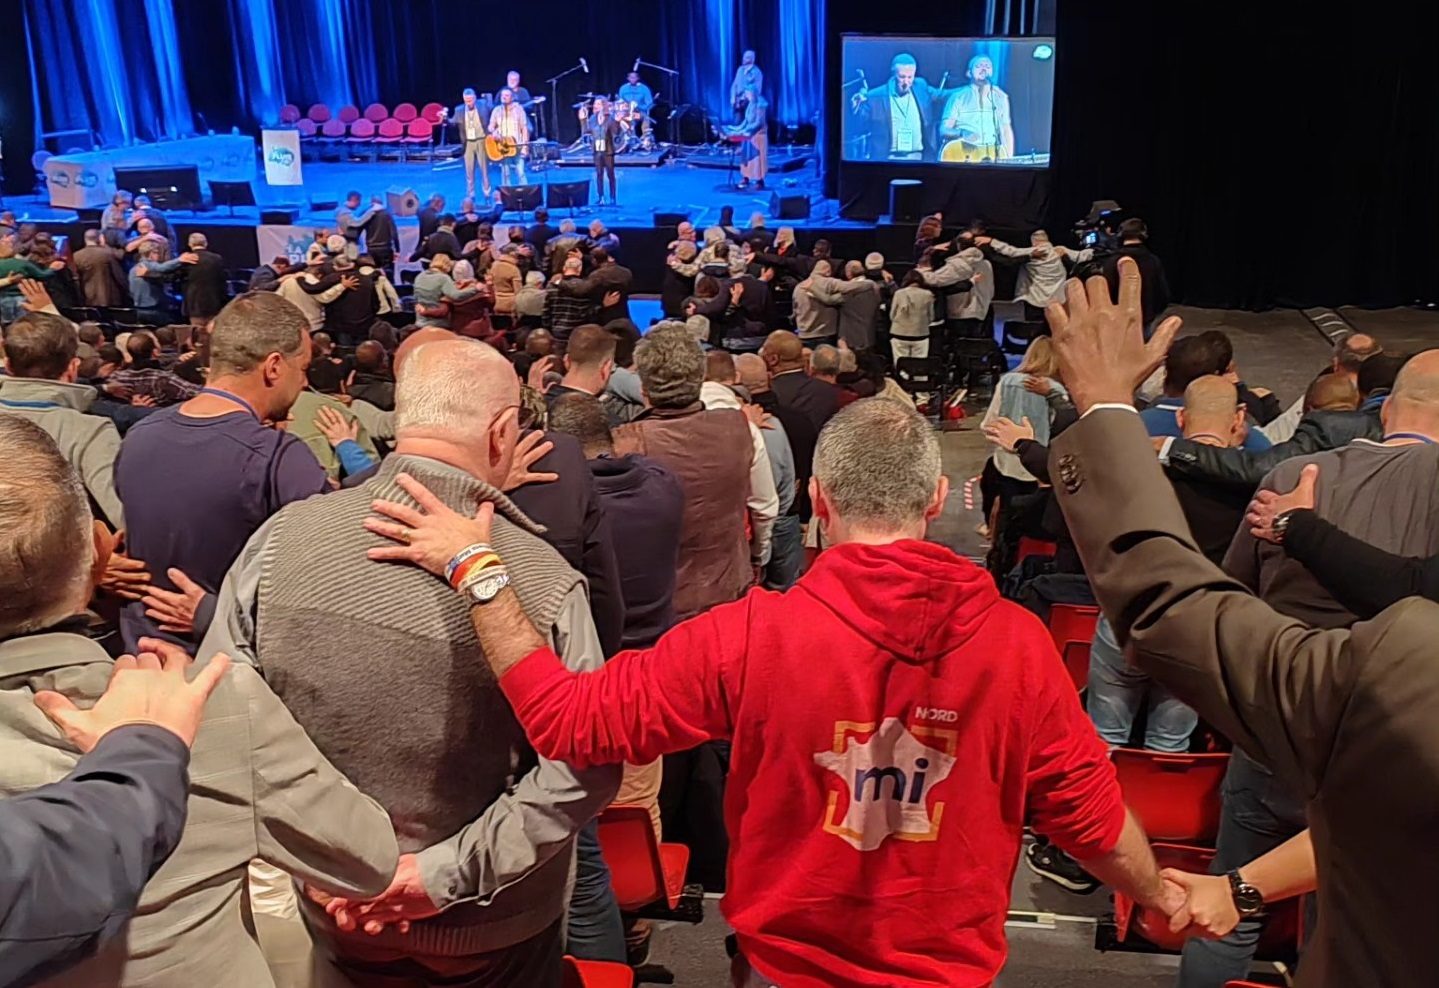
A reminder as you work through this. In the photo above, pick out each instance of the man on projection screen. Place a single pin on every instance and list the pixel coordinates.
(976, 124)
(902, 115)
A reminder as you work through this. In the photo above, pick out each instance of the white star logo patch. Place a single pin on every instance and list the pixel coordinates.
(888, 779)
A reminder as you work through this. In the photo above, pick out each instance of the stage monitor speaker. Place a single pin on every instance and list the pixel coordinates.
(89, 215)
(402, 202)
(521, 198)
(569, 195)
(231, 194)
(905, 198)
(789, 207)
(170, 187)
(665, 220)
(279, 216)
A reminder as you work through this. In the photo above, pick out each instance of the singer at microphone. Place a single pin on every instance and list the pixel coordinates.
(897, 121)
(976, 120)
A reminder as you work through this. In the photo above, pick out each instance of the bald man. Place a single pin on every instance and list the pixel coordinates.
(784, 354)
(375, 661)
(1331, 393)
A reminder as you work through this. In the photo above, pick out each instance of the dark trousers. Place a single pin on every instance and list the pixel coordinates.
(1259, 814)
(595, 930)
(605, 165)
(995, 486)
(692, 809)
(384, 260)
(356, 964)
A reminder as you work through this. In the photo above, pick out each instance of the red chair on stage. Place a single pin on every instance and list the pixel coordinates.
(1076, 663)
(406, 112)
(1072, 623)
(290, 114)
(332, 135)
(319, 113)
(389, 135)
(419, 132)
(362, 137)
(1175, 796)
(348, 114)
(376, 112)
(642, 870)
(597, 974)
(432, 112)
(308, 132)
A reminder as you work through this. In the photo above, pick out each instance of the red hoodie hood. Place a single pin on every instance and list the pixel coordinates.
(914, 599)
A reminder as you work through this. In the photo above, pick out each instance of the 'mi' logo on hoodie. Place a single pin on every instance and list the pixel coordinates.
(888, 777)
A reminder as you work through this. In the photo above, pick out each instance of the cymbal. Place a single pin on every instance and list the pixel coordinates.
(591, 95)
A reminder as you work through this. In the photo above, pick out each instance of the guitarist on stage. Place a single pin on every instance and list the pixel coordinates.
(510, 127)
(977, 116)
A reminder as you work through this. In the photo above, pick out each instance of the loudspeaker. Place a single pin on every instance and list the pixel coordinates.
(905, 198)
(572, 195)
(279, 216)
(169, 187)
(521, 198)
(663, 219)
(789, 207)
(402, 202)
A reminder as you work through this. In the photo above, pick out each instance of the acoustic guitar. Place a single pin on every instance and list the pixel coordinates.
(500, 148)
(958, 150)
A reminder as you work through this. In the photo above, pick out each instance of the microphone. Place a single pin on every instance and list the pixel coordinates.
(636, 66)
(585, 65)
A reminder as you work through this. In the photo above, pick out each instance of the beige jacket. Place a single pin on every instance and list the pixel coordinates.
(258, 789)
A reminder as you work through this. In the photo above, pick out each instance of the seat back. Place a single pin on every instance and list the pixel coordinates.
(627, 839)
(1072, 623)
(406, 112)
(1034, 547)
(391, 129)
(1076, 663)
(306, 127)
(431, 112)
(289, 113)
(1175, 796)
(419, 129)
(597, 974)
(362, 129)
(348, 113)
(376, 112)
(319, 113)
(334, 127)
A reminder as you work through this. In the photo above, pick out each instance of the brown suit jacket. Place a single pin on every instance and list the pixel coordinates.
(103, 282)
(1348, 717)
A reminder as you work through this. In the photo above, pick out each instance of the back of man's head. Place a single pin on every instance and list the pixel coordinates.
(453, 389)
(1211, 410)
(599, 257)
(141, 347)
(825, 361)
(1351, 352)
(92, 238)
(370, 357)
(40, 345)
(671, 367)
(165, 336)
(567, 225)
(198, 241)
(1189, 358)
(590, 347)
(91, 332)
(574, 267)
(46, 553)
(720, 367)
(1133, 229)
(783, 350)
(1331, 393)
(542, 215)
(853, 269)
(752, 373)
(1417, 383)
(1379, 373)
(583, 417)
(821, 269)
(877, 465)
(1220, 346)
(250, 328)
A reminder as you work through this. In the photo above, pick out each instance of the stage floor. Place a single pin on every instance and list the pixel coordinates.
(698, 189)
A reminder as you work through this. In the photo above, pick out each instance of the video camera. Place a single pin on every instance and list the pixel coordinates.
(1099, 232)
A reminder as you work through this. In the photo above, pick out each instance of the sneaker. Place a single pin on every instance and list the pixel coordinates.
(1048, 861)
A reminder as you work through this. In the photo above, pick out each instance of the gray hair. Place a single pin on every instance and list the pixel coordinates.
(253, 326)
(198, 240)
(92, 237)
(825, 360)
(671, 366)
(878, 464)
(453, 388)
(47, 550)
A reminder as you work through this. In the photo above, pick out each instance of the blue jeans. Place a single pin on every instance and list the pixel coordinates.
(1117, 691)
(595, 930)
(1259, 814)
(786, 553)
(512, 170)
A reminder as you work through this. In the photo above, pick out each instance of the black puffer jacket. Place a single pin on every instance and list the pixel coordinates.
(1316, 432)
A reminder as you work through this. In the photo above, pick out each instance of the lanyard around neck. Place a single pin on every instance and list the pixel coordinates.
(218, 393)
(1410, 435)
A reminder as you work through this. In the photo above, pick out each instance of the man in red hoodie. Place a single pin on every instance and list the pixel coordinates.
(894, 723)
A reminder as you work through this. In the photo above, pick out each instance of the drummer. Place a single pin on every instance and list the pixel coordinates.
(640, 98)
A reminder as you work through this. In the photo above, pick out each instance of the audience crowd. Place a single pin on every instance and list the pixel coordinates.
(346, 600)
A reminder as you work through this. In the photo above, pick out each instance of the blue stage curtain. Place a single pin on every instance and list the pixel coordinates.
(110, 66)
(257, 60)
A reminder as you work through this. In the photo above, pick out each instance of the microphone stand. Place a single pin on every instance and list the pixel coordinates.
(554, 82)
(674, 82)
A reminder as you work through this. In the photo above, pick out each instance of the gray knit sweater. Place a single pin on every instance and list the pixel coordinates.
(380, 664)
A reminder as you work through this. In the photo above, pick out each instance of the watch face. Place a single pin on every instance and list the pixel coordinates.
(1247, 899)
(485, 588)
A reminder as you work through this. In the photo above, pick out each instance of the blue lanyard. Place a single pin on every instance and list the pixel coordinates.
(17, 403)
(232, 397)
(1410, 435)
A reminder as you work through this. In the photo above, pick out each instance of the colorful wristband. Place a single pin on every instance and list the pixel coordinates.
(467, 552)
(474, 564)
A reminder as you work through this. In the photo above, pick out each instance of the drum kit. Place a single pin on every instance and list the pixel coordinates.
(634, 135)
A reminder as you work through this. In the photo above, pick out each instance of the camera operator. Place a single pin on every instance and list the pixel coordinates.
(1133, 243)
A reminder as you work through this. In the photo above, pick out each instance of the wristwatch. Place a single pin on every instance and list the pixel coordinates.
(1247, 899)
(487, 586)
(1281, 526)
